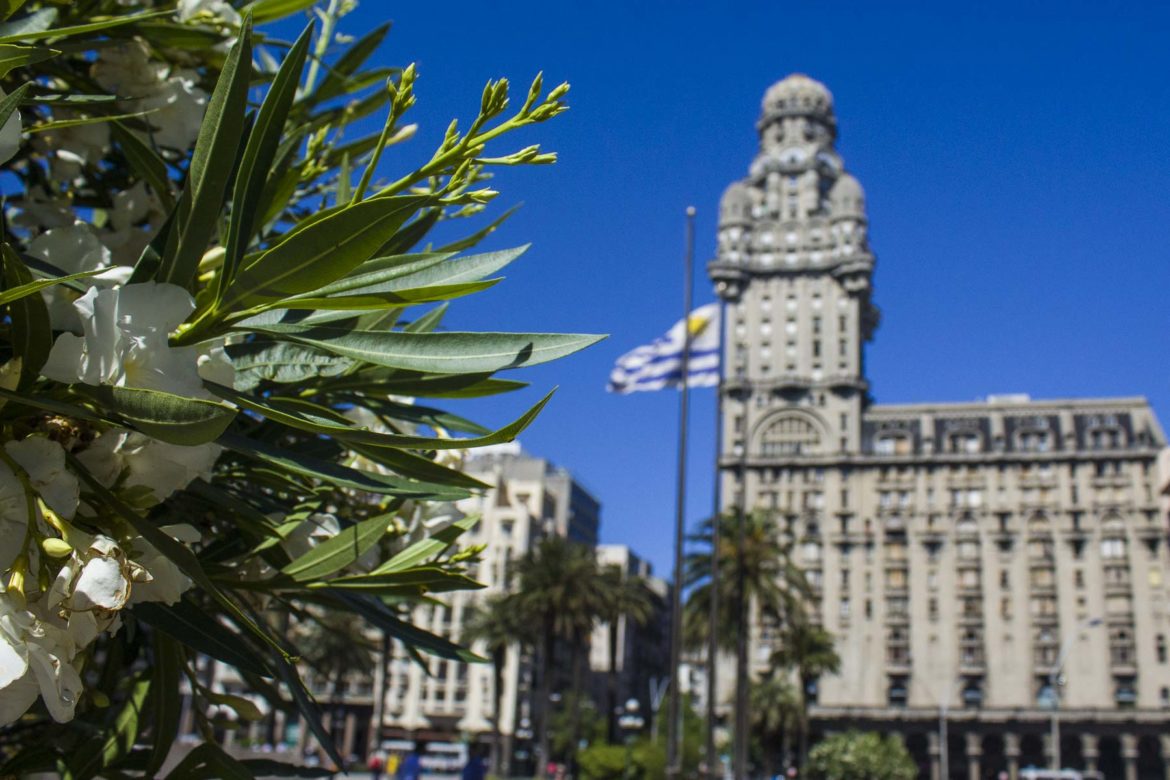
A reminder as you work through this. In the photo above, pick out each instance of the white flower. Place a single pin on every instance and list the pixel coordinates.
(167, 583)
(44, 463)
(189, 9)
(134, 219)
(40, 210)
(9, 135)
(95, 578)
(35, 659)
(319, 527)
(73, 249)
(125, 341)
(69, 149)
(156, 466)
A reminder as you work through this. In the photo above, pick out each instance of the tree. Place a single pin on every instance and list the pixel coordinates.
(807, 650)
(221, 428)
(624, 596)
(775, 714)
(772, 580)
(559, 595)
(861, 756)
(498, 627)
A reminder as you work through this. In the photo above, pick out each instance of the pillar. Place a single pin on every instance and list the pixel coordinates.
(1011, 751)
(1089, 751)
(974, 754)
(347, 739)
(1129, 754)
(932, 748)
(1164, 744)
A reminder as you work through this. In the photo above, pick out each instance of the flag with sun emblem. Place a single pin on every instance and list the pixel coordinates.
(658, 365)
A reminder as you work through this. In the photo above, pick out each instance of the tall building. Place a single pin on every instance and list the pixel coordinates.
(527, 498)
(1001, 562)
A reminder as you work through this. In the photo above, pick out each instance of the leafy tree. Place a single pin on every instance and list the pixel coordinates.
(809, 651)
(221, 427)
(499, 628)
(560, 596)
(775, 714)
(861, 756)
(772, 580)
(623, 596)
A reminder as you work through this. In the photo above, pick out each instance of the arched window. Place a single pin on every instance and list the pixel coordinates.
(789, 436)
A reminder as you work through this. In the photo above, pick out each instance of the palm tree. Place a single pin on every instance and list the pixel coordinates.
(559, 597)
(807, 650)
(334, 644)
(775, 714)
(494, 623)
(772, 580)
(625, 596)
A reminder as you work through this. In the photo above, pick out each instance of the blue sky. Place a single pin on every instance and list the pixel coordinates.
(1014, 158)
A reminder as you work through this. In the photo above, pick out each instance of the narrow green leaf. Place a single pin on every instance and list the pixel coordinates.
(346, 65)
(407, 238)
(389, 299)
(145, 162)
(12, 56)
(281, 362)
(24, 36)
(166, 702)
(438, 353)
(327, 250)
(16, 293)
(426, 549)
(382, 268)
(411, 636)
(428, 322)
(31, 335)
(407, 464)
(333, 474)
(206, 761)
(10, 101)
(270, 10)
(462, 269)
(52, 405)
(193, 627)
(416, 581)
(212, 164)
(300, 414)
(9, 7)
(479, 235)
(164, 416)
(335, 554)
(127, 724)
(259, 154)
(308, 709)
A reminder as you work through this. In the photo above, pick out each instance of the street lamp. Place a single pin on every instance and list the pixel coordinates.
(630, 723)
(1055, 680)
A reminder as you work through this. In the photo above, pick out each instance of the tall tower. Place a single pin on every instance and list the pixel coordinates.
(794, 266)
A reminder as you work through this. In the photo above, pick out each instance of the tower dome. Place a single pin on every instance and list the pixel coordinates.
(799, 95)
(735, 207)
(847, 197)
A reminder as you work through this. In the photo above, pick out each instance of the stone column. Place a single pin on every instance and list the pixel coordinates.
(932, 748)
(1129, 754)
(1049, 753)
(347, 739)
(1164, 744)
(1089, 751)
(974, 754)
(1011, 751)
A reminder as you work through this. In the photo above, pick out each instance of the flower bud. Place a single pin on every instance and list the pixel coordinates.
(56, 548)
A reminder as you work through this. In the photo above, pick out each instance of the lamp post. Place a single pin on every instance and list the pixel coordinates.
(630, 724)
(1055, 680)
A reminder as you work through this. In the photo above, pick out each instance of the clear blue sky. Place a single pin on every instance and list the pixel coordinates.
(1014, 156)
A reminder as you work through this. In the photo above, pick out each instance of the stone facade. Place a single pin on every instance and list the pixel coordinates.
(999, 562)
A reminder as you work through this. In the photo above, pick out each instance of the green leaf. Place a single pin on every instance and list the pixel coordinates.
(428, 322)
(281, 362)
(426, 549)
(335, 554)
(12, 56)
(340, 71)
(321, 253)
(166, 702)
(414, 582)
(407, 464)
(28, 288)
(300, 414)
(171, 418)
(126, 725)
(193, 627)
(26, 35)
(51, 405)
(31, 335)
(9, 103)
(334, 474)
(479, 235)
(462, 269)
(9, 7)
(212, 165)
(259, 154)
(438, 353)
(413, 637)
(270, 10)
(381, 269)
(387, 300)
(145, 162)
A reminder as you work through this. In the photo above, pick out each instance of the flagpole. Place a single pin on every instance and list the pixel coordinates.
(674, 732)
(714, 765)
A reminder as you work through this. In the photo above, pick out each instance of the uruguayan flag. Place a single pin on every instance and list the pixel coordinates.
(659, 364)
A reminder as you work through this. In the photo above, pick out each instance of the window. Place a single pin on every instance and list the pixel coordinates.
(1160, 648)
(966, 442)
(897, 693)
(892, 444)
(1034, 441)
(789, 436)
(1113, 548)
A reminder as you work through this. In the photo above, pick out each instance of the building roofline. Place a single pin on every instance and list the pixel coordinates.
(1031, 403)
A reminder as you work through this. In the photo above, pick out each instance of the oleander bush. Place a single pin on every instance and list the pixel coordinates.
(222, 366)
